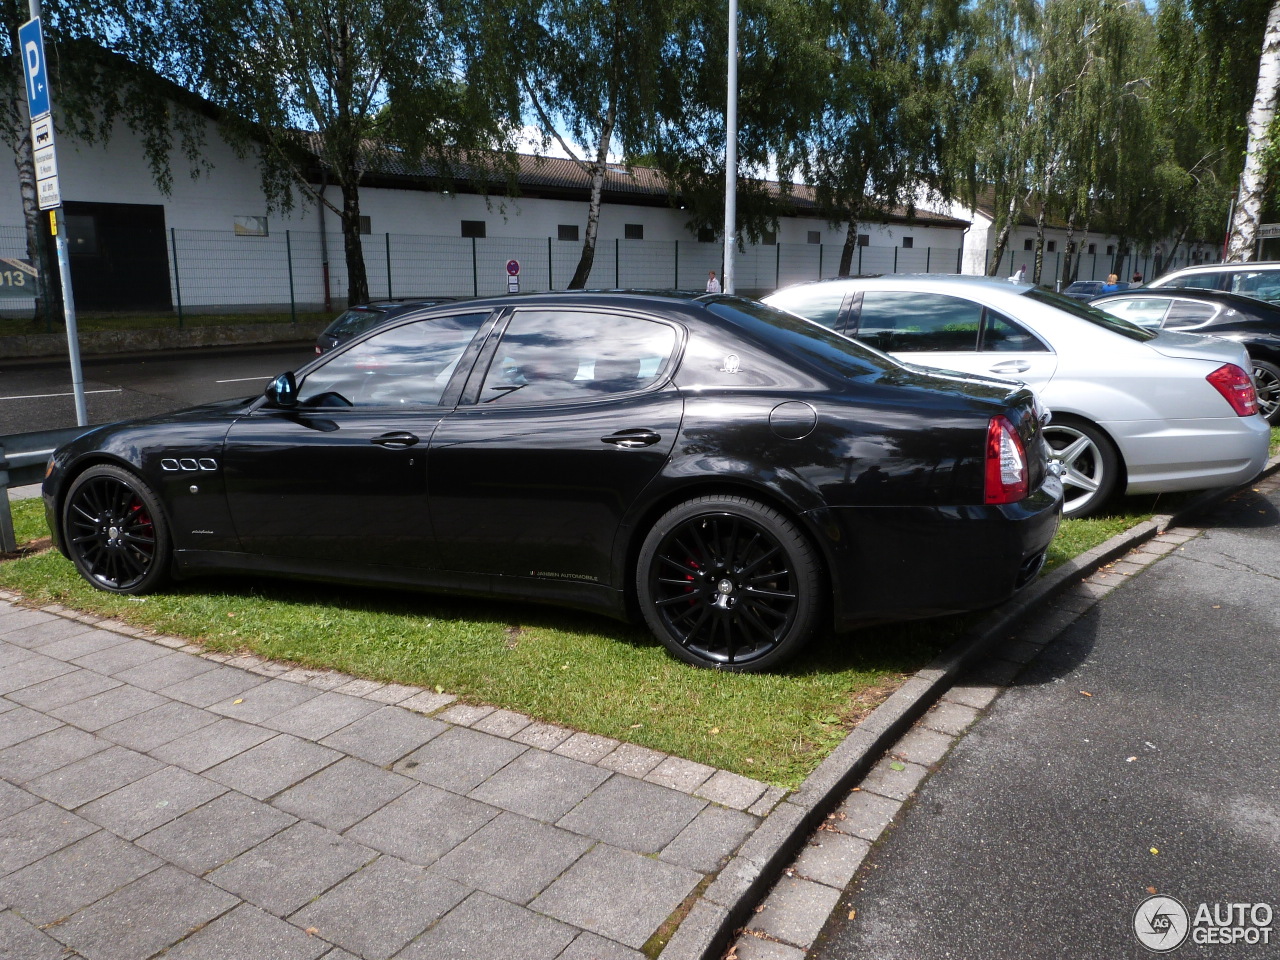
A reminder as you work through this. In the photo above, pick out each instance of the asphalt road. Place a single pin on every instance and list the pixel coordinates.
(1139, 754)
(37, 395)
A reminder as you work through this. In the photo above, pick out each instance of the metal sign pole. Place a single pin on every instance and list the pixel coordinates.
(731, 153)
(48, 190)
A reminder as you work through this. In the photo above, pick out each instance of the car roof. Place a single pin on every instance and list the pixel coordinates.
(959, 281)
(1257, 266)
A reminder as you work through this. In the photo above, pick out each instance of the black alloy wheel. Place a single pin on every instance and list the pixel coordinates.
(729, 583)
(1266, 380)
(115, 531)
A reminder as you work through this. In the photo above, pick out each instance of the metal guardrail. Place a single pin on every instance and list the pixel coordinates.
(23, 457)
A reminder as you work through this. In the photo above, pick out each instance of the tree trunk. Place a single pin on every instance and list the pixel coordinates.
(37, 252)
(1002, 237)
(1073, 254)
(357, 278)
(1039, 264)
(1244, 223)
(588, 258)
(846, 252)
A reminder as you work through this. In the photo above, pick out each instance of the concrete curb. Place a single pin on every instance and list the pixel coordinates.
(727, 903)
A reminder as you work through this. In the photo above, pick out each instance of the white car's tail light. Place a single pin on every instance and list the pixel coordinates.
(1006, 463)
(1237, 387)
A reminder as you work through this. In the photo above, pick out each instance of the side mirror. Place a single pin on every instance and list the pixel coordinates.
(282, 391)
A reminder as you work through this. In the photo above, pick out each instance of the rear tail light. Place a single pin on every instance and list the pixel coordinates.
(1237, 387)
(1006, 463)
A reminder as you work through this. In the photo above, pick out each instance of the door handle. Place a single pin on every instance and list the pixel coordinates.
(641, 437)
(399, 438)
(1011, 366)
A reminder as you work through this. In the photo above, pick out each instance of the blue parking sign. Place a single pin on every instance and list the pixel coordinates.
(31, 42)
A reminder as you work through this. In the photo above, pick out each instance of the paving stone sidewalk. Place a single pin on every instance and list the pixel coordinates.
(155, 801)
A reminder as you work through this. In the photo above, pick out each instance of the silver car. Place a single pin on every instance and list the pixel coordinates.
(1136, 410)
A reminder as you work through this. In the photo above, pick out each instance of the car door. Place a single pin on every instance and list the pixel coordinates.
(342, 476)
(939, 330)
(572, 417)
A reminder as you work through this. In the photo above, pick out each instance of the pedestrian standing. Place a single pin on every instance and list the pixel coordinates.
(713, 284)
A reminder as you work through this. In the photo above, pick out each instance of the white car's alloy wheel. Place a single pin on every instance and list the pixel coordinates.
(1089, 465)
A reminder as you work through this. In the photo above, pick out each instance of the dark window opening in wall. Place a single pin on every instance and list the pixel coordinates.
(567, 231)
(633, 231)
(815, 236)
(864, 239)
(908, 243)
(706, 234)
(1093, 248)
(1111, 249)
(1028, 244)
(366, 226)
(119, 256)
(768, 238)
(473, 228)
(1053, 246)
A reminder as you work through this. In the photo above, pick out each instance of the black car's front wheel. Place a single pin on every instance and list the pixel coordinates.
(1266, 380)
(114, 531)
(729, 583)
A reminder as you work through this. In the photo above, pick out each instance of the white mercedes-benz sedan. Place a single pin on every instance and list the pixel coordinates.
(1134, 410)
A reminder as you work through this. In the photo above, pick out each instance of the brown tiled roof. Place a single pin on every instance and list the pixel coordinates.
(986, 205)
(560, 178)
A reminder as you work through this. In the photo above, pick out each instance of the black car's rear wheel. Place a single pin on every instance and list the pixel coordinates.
(115, 531)
(1266, 379)
(729, 583)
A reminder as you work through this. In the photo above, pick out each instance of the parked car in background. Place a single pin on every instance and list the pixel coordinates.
(1084, 290)
(1216, 313)
(735, 475)
(1258, 279)
(365, 316)
(1134, 410)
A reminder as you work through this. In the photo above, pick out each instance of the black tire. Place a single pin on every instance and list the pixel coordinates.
(1090, 465)
(729, 583)
(1266, 380)
(115, 531)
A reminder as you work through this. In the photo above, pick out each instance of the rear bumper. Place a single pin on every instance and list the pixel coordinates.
(898, 563)
(1162, 456)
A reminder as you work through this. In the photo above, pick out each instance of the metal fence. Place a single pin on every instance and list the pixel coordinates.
(216, 271)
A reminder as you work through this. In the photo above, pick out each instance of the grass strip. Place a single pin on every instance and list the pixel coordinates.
(584, 672)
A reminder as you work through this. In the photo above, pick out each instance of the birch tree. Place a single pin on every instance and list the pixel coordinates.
(1261, 126)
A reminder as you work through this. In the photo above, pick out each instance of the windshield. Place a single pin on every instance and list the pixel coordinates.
(1092, 314)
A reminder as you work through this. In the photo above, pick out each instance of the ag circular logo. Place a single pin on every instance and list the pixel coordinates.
(1161, 924)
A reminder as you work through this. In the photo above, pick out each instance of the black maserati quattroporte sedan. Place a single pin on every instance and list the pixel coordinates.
(737, 476)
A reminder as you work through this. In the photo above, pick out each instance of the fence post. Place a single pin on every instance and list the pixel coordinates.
(675, 279)
(475, 271)
(390, 295)
(551, 283)
(617, 263)
(177, 283)
(928, 253)
(288, 253)
(820, 246)
(960, 260)
(777, 264)
(895, 260)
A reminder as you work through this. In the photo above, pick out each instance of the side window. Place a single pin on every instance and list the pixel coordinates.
(820, 303)
(902, 322)
(1147, 312)
(408, 365)
(1189, 313)
(1201, 281)
(1263, 285)
(548, 356)
(999, 333)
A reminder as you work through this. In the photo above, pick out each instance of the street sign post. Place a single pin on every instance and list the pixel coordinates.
(48, 191)
(513, 276)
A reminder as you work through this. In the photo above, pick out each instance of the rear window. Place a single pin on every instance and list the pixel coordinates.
(1092, 314)
(806, 340)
